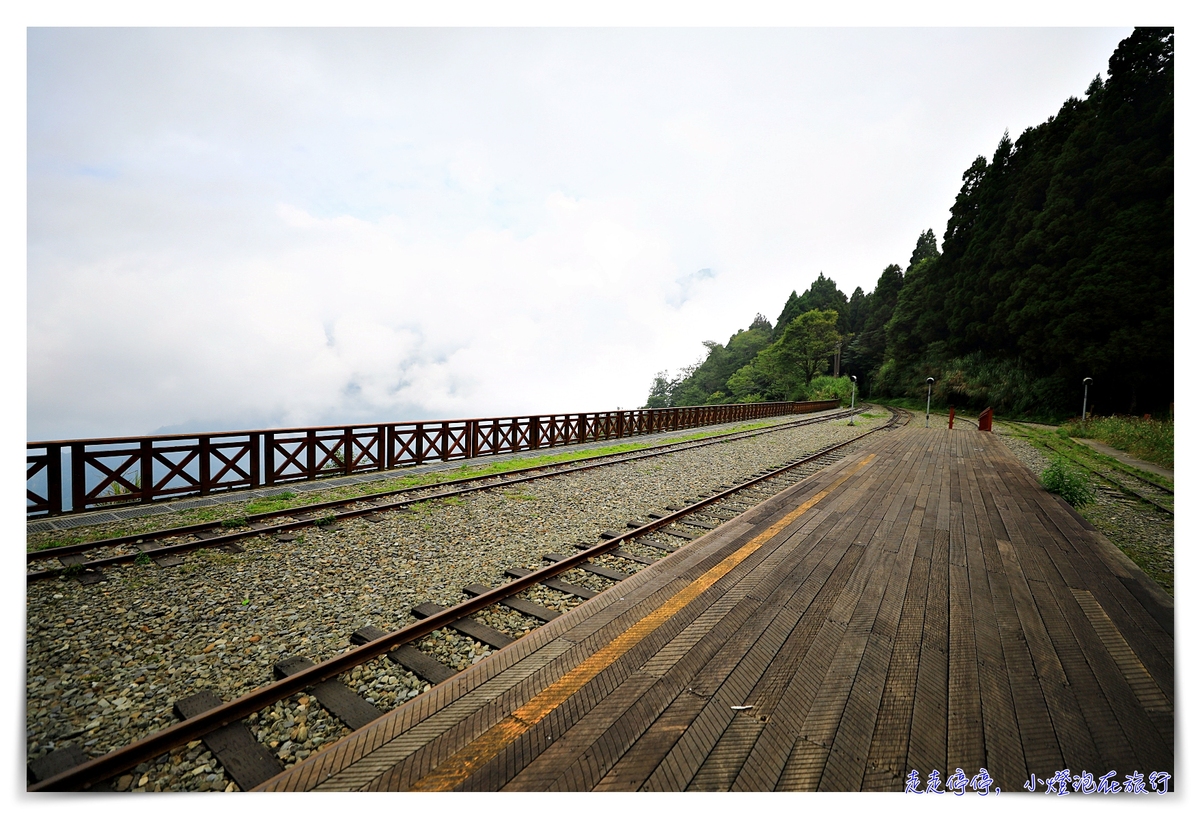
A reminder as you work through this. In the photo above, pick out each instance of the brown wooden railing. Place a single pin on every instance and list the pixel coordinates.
(76, 475)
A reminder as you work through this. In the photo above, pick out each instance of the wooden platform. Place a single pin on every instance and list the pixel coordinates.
(922, 605)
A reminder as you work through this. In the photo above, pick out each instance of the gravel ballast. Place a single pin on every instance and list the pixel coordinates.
(106, 661)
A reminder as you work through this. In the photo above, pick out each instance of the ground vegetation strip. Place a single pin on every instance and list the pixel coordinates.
(1148, 439)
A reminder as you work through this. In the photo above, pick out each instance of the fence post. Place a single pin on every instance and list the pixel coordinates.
(310, 444)
(78, 478)
(205, 466)
(269, 458)
(255, 462)
(147, 470)
(54, 486)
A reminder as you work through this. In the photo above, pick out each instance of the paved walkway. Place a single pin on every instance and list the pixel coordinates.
(922, 605)
(1125, 458)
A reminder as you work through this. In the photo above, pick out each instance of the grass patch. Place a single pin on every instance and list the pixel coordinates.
(603, 451)
(266, 505)
(1068, 482)
(1150, 440)
(512, 495)
(57, 540)
(213, 556)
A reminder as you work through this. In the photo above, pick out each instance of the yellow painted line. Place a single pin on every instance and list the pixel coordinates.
(458, 767)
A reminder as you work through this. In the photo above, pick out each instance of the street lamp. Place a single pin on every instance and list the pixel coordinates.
(928, 398)
(1083, 416)
(853, 387)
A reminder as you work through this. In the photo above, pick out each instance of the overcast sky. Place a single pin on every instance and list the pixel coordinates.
(240, 228)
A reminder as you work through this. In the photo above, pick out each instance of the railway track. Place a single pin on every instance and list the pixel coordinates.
(1117, 481)
(164, 547)
(220, 725)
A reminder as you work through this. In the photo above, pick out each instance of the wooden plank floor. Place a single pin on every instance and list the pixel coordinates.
(921, 605)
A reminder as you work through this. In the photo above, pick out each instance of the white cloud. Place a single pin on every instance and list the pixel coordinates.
(251, 227)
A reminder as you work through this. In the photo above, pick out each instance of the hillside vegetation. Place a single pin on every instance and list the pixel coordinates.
(1057, 263)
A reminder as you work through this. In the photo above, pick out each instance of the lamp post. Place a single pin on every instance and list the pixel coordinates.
(853, 388)
(928, 398)
(1083, 415)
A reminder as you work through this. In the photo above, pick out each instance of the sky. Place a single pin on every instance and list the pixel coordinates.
(243, 228)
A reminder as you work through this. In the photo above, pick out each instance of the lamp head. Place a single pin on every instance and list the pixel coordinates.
(1086, 381)
(929, 380)
(854, 379)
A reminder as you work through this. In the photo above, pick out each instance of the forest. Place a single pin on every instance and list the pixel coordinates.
(1056, 264)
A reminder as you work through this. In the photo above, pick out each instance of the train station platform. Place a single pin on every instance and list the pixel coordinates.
(921, 605)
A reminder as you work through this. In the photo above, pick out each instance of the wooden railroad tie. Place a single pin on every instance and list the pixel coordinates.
(591, 568)
(86, 576)
(555, 584)
(523, 606)
(167, 560)
(246, 761)
(660, 546)
(51, 764)
(466, 626)
(621, 553)
(353, 710)
(406, 656)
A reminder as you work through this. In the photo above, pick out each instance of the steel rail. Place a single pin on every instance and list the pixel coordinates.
(218, 540)
(122, 759)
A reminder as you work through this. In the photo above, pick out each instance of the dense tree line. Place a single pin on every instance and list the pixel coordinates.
(1057, 263)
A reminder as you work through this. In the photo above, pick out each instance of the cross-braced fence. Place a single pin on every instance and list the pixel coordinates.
(76, 475)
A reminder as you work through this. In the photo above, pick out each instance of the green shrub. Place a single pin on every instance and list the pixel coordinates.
(1071, 484)
(827, 387)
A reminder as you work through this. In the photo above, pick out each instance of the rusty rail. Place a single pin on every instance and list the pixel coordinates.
(77, 475)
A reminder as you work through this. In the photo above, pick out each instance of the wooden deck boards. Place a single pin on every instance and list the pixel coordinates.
(921, 605)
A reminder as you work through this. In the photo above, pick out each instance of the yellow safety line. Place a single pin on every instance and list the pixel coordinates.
(455, 769)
